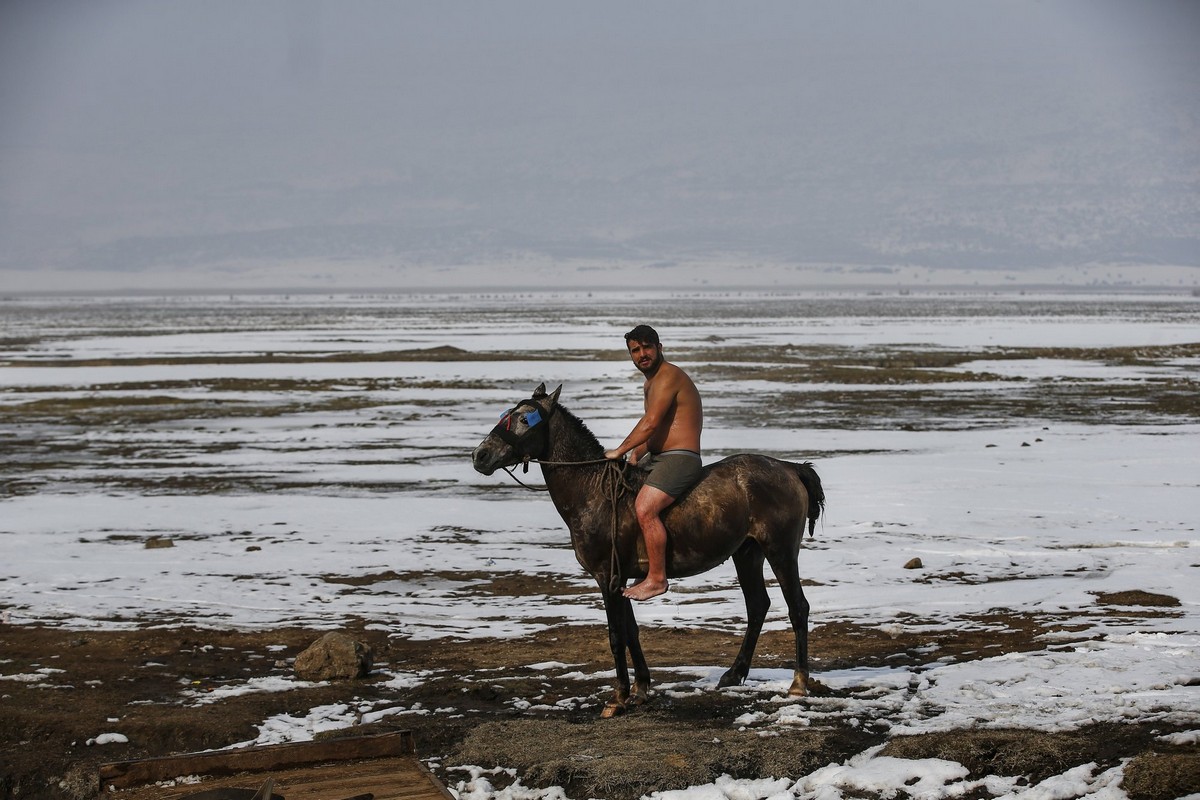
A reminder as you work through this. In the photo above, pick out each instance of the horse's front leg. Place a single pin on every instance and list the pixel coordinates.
(623, 636)
(616, 608)
(640, 693)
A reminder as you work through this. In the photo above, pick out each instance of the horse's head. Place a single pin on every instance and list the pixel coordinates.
(522, 432)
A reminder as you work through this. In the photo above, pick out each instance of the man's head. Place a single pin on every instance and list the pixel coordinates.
(644, 348)
(644, 334)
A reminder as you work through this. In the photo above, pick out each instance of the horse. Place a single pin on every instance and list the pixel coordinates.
(747, 507)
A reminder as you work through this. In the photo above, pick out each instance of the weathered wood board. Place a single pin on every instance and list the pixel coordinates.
(384, 766)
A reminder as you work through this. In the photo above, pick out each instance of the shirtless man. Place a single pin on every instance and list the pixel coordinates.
(665, 442)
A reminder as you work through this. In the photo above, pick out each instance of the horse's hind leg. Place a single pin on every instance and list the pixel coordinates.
(787, 572)
(748, 561)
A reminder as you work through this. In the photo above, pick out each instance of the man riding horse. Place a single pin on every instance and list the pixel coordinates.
(666, 443)
(746, 507)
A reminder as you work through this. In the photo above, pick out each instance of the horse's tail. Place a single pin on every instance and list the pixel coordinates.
(816, 494)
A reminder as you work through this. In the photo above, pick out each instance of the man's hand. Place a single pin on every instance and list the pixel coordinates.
(613, 455)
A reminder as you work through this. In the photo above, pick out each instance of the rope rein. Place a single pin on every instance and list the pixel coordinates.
(615, 484)
(527, 461)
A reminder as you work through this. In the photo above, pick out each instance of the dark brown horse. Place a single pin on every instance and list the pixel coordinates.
(749, 508)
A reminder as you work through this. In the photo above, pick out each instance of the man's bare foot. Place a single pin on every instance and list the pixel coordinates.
(645, 589)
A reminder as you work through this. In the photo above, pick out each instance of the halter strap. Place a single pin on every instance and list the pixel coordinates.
(503, 428)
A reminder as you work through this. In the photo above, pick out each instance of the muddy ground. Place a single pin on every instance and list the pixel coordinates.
(482, 705)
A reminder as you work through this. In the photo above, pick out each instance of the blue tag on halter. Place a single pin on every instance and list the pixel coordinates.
(533, 418)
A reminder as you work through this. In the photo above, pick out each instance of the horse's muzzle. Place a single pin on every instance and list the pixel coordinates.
(484, 461)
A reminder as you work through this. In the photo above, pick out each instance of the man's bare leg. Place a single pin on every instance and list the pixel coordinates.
(649, 504)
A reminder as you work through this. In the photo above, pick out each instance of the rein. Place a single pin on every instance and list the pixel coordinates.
(615, 484)
(527, 461)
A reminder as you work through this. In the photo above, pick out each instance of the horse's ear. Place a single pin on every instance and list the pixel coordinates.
(554, 396)
(539, 392)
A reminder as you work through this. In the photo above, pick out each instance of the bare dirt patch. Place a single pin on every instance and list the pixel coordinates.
(489, 703)
(1137, 597)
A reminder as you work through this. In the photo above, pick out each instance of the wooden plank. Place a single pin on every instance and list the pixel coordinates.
(124, 774)
(395, 778)
(386, 780)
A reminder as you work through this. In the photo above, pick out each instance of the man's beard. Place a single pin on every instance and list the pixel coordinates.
(658, 359)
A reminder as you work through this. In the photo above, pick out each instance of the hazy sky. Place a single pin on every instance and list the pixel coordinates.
(330, 141)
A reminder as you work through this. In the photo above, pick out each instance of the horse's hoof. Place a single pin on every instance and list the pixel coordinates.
(612, 708)
(799, 687)
(730, 678)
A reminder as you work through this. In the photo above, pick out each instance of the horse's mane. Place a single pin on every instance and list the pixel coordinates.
(579, 424)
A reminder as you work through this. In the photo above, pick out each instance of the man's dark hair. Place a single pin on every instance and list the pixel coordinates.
(643, 334)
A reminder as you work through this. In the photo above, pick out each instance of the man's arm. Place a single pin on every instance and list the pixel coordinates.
(636, 440)
(659, 398)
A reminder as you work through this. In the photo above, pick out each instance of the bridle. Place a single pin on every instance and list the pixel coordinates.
(516, 441)
(503, 430)
(535, 424)
(615, 481)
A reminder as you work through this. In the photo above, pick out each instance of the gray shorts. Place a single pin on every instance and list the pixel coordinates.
(672, 471)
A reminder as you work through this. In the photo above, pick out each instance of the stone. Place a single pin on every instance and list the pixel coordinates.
(332, 657)
(914, 563)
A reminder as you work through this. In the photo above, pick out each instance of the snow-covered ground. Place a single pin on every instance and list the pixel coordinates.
(1027, 515)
